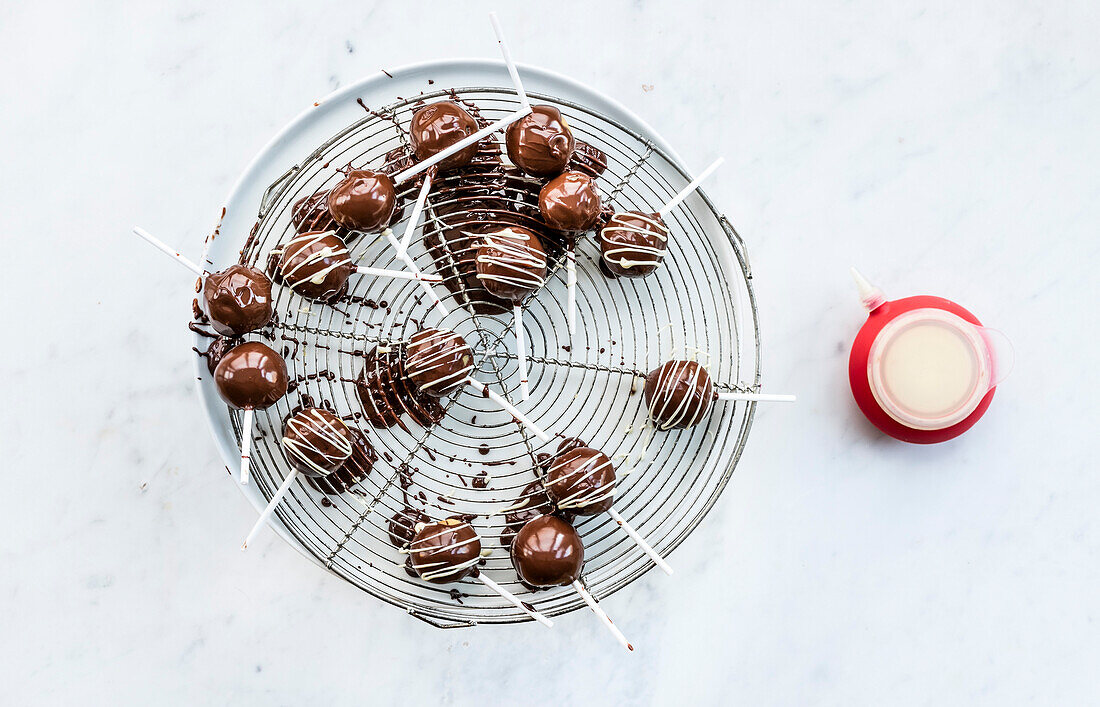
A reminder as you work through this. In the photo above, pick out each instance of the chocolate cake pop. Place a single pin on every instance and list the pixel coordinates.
(437, 126)
(678, 394)
(237, 300)
(317, 442)
(316, 265)
(541, 142)
(570, 202)
(251, 376)
(548, 552)
(363, 201)
(582, 479)
(438, 361)
(446, 551)
(511, 263)
(633, 243)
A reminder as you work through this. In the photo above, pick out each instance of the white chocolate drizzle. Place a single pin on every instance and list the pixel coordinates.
(434, 350)
(521, 264)
(338, 254)
(328, 429)
(435, 570)
(664, 410)
(616, 251)
(574, 478)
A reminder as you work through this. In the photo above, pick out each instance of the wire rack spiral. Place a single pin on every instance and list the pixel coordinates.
(477, 460)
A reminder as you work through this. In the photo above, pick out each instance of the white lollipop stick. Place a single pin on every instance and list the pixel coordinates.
(459, 146)
(418, 209)
(246, 443)
(262, 520)
(692, 186)
(512, 598)
(603, 617)
(524, 101)
(168, 250)
(412, 267)
(397, 274)
(762, 397)
(508, 407)
(571, 292)
(657, 559)
(521, 352)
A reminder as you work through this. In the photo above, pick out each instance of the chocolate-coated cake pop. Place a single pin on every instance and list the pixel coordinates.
(445, 551)
(316, 265)
(317, 442)
(583, 480)
(511, 263)
(633, 244)
(363, 201)
(251, 376)
(548, 552)
(570, 202)
(678, 394)
(438, 361)
(237, 300)
(352, 471)
(437, 126)
(541, 142)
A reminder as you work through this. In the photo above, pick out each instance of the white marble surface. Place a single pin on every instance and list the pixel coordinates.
(948, 148)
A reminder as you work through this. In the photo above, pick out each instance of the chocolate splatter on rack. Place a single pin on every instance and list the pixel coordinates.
(426, 456)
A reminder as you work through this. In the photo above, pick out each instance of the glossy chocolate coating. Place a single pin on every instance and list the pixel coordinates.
(437, 126)
(540, 143)
(316, 265)
(317, 442)
(438, 361)
(633, 244)
(363, 201)
(446, 551)
(548, 552)
(588, 159)
(678, 394)
(582, 480)
(570, 202)
(251, 376)
(402, 526)
(511, 263)
(237, 300)
(354, 470)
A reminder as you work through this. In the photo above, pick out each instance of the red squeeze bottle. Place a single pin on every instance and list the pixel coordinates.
(924, 369)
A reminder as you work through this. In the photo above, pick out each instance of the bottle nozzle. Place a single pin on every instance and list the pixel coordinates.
(871, 296)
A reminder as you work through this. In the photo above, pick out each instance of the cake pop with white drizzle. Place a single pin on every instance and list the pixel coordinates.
(317, 265)
(633, 244)
(316, 443)
(511, 264)
(679, 394)
(438, 362)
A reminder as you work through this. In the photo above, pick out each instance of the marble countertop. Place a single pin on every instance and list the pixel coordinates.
(946, 148)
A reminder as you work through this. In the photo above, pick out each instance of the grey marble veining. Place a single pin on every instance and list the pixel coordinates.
(944, 148)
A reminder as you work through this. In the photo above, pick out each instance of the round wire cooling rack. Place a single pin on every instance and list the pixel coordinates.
(474, 459)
